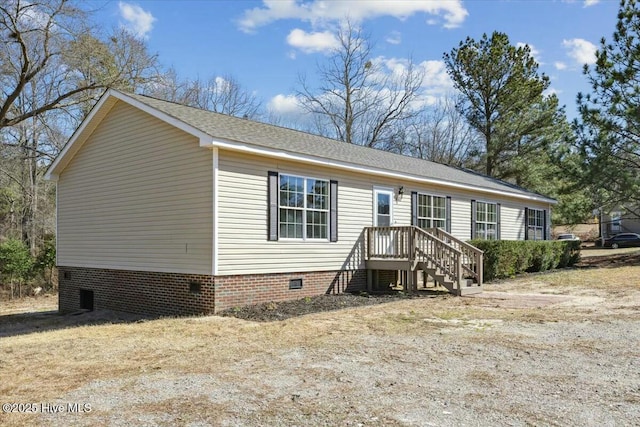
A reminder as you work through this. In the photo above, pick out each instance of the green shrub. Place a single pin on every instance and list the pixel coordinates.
(16, 263)
(45, 262)
(506, 258)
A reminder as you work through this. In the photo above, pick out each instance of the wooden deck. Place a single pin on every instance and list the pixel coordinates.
(450, 262)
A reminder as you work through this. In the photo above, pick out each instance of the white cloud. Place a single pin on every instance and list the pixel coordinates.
(560, 65)
(34, 18)
(436, 76)
(317, 11)
(394, 37)
(434, 71)
(139, 21)
(532, 49)
(582, 51)
(285, 105)
(312, 42)
(435, 84)
(586, 3)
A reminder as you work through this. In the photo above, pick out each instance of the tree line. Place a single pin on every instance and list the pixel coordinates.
(500, 120)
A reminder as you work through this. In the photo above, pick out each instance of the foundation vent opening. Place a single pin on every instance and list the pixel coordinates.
(295, 284)
(86, 299)
(195, 287)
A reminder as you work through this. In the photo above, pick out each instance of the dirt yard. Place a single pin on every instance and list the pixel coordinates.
(549, 349)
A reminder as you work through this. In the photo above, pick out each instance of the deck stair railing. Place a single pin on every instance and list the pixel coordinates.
(453, 263)
(472, 257)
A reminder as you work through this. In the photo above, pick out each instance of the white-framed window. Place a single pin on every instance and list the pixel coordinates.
(486, 221)
(304, 207)
(616, 221)
(432, 211)
(536, 224)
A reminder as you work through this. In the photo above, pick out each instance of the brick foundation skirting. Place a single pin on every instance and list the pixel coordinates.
(144, 292)
(235, 291)
(175, 294)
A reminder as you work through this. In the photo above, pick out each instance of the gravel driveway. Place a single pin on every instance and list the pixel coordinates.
(574, 361)
(557, 349)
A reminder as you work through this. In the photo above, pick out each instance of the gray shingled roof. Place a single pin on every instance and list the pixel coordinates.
(288, 140)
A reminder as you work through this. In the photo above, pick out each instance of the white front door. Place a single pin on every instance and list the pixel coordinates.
(383, 217)
(382, 207)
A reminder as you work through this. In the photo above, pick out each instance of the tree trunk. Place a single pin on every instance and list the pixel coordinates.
(30, 188)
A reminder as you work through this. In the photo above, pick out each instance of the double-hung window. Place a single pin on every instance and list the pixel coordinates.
(432, 211)
(535, 224)
(304, 207)
(616, 220)
(486, 221)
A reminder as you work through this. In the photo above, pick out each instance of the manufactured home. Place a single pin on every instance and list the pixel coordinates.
(622, 219)
(167, 209)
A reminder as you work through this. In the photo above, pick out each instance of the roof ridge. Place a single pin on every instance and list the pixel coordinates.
(259, 122)
(239, 118)
(277, 137)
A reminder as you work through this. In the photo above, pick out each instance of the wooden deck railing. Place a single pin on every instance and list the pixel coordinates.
(436, 253)
(472, 257)
(433, 247)
(389, 242)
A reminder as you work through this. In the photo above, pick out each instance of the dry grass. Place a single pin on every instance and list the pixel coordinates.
(53, 365)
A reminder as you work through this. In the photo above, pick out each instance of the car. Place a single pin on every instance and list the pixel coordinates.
(623, 240)
(568, 236)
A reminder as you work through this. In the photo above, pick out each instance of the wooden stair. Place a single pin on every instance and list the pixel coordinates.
(469, 286)
(450, 262)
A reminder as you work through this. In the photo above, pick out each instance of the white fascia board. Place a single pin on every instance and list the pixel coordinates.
(215, 238)
(52, 172)
(235, 146)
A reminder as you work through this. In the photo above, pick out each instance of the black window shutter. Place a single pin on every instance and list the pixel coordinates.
(273, 206)
(498, 219)
(447, 224)
(526, 223)
(414, 208)
(473, 219)
(333, 211)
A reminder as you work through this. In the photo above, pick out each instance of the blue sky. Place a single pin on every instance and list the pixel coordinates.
(265, 45)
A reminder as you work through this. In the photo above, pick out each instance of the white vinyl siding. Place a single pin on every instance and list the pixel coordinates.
(511, 221)
(461, 217)
(244, 247)
(137, 196)
(511, 217)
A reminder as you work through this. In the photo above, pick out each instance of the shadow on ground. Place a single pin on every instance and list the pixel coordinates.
(28, 322)
(609, 261)
(40, 321)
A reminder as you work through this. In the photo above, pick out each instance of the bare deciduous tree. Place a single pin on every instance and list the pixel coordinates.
(441, 134)
(222, 94)
(53, 66)
(49, 42)
(358, 100)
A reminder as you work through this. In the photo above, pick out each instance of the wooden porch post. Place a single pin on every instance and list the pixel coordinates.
(459, 274)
